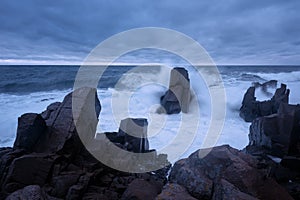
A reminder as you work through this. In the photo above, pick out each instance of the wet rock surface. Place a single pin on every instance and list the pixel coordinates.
(225, 173)
(252, 109)
(278, 135)
(177, 98)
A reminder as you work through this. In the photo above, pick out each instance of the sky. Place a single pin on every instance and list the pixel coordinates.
(231, 31)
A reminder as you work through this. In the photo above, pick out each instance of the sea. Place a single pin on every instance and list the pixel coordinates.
(126, 92)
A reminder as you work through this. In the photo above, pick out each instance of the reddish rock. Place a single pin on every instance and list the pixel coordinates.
(226, 191)
(173, 191)
(224, 168)
(140, 189)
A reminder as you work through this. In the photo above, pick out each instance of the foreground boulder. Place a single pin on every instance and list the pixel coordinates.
(31, 192)
(251, 108)
(175, 192)
(279, 135)
(225, 173)
(177, 98)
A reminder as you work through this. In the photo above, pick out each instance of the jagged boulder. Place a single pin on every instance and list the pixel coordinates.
(175, 192)
(225, 173)
(177, 98)
(140, 189)
(277, 134)
(31, 127)
(62, 134)
(31, 192)
(134, 132)
(251, 108)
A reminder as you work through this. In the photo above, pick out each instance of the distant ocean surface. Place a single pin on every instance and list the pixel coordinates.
(32, 88)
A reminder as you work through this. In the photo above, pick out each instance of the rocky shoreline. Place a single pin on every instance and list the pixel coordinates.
(49, 161)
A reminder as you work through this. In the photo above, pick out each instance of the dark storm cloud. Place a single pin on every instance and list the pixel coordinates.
(232, 31)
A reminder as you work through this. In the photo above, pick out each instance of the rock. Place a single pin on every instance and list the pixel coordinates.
(177, 98)
(293, 188)
(100, 193)
(32, 169)
(77, 191)
(291, 162)
(62, 183)
(31, 192)
(252, 109)
(140, 189)
(281, 96)
(31, 127)
(277, 134)
(173, 191)
(226, 191)
(49, 112)
(62, 133)
(202, 177)
(134, 132)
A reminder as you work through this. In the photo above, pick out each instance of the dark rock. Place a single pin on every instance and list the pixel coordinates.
(62, 135)
(140, 189)
(202, 177)
(177, 98)
(48, 112)
(31, 127)
(32, 169)
(134, 132)
(101, 193)
(277, 134)
(226, 191)
(115, 137)
(252, 109)
(77, 191)
(62, 183)
(293, 188)
(291, 163)
(31, 192)
(173, 191)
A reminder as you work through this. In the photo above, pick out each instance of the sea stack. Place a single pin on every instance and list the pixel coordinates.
(135, 134)
(178, 96)
(252, 109)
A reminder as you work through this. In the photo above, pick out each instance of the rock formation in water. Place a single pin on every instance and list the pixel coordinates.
(278, 135)
(251, 108)
(177, 98)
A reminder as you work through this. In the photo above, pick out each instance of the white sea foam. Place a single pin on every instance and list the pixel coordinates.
(13, 106)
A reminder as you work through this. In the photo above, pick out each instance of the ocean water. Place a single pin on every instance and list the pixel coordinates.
(125, 91)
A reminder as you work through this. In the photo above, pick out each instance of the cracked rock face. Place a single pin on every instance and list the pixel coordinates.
(177, 98)
(252, 109)
(224, 172)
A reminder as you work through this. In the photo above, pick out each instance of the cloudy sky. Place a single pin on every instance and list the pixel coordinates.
(232, 31)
